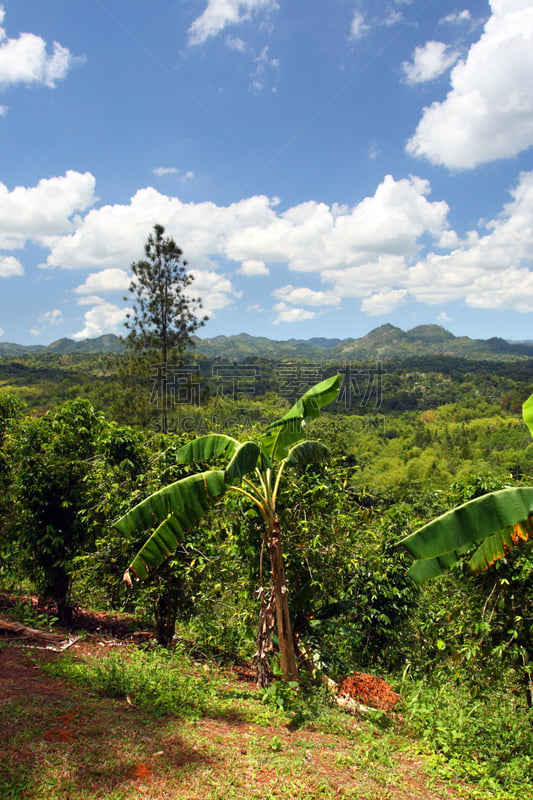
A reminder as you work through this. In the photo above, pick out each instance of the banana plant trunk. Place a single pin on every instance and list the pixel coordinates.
(288, 663)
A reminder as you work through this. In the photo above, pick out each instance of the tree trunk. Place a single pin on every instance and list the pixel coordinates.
(59, 585)
(289, 666)
(260, 661)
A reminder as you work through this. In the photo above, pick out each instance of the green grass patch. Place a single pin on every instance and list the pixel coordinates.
(167, 683)
(484, 738)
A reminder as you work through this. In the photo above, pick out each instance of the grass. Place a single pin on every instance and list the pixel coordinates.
(125, 722)
(485, 735)
(136, 723)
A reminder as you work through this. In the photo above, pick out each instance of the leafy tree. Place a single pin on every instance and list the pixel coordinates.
(177, 507)
(163, 317)
(491, 525)
(55, 458)
(9, 410)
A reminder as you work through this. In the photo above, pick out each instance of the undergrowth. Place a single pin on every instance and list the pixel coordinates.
(486, 738)
(165, 682)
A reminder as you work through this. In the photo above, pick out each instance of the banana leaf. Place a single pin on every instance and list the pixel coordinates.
(243, 462)
(500, 543)
(308, 452)
(494, 523)
(289, 429)
(157, 548)
(208, 447)
(171, 510)
(527, 413)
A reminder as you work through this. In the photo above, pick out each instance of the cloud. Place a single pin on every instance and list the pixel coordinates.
(43, 210)
(10, 266)
(287, 314)
(374, 150)
(237, 44)
(359, 28)
(488, 113)
(218, 14)
(215, 290)
(102, 318)
(457, 18)
(162, 171)
(263, 66)
(26, 60)
(392, 18)
(392, 246)
(252, 268)
(165, 171)
(491, 271)
(429, 62)
(108, 280)
(54, 317)
(349, 248)
(361, 25)
(2, 332)
(304, 296)
(3, 111)
(114, 235)
(383, 302)
(313, 237)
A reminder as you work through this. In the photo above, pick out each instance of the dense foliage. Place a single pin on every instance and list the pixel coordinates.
(458, 647)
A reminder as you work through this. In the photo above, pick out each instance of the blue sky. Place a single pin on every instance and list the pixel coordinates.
(327, 166)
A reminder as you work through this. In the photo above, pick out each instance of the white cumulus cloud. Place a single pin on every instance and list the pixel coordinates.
(252, 268)
(490, 271)
(392, 246)
(302, 295)
(102, 318)
(216, 291)
(108, 280)
(429, 62)
(285, 313)
(383, 302)
(9, 266)
(46, 209)
(488, 112)
(218, 14)
(28, 60)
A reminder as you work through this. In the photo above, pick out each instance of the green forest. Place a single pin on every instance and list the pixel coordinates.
(399, 443)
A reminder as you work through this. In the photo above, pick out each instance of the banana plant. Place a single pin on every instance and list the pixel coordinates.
(488, 527)
(253, 469)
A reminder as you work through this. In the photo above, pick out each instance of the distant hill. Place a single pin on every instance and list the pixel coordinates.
(384, 342)
(108, 343)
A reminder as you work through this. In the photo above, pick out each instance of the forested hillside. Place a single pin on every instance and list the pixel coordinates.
(387, 341)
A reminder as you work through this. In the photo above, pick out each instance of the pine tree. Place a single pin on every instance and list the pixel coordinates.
(164, 317)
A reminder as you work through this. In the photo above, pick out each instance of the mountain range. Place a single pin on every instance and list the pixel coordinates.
(384, 342)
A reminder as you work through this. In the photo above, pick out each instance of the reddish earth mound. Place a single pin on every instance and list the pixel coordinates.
(369, 690)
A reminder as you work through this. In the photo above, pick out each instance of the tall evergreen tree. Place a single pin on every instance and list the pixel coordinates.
(164, 317)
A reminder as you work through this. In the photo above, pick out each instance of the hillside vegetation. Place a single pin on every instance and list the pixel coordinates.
(408, 439)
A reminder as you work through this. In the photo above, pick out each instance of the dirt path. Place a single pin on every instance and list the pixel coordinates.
(58, 740)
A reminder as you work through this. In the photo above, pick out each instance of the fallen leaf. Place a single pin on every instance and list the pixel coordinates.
(141, 771)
